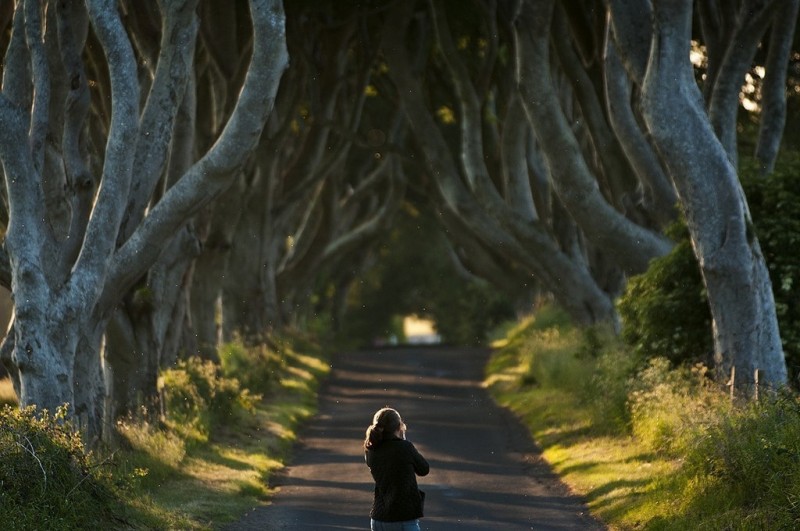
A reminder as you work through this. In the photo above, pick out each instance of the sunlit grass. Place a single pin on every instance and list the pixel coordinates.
(212, 453)
(7, 394)
(204, 484)
(621, 481)
(223, 479)
(649, 446)
(615, 474)
(536, 375)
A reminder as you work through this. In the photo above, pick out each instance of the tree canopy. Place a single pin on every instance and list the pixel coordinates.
(180, 172)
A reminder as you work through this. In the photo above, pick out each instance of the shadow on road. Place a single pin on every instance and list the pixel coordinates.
(486, 473)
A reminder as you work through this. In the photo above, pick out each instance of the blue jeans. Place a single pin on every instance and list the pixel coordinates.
(408, 525)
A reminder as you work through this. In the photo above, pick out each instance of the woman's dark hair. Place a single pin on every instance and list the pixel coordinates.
(385, 423)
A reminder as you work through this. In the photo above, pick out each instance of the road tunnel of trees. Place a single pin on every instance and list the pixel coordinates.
(178, 173)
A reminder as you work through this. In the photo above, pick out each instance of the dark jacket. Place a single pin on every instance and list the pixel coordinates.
(394, 465)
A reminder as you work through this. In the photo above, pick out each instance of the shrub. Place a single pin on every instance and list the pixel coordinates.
(606, 391)
(665, 310)
(257, 367)
(197, 397)
(47, 481)
(547, 352)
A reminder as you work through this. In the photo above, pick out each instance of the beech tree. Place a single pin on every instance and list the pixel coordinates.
(161, 169)
(66, 282)
(746, 337)
(695, 138)
(617, 151)
(488, 177)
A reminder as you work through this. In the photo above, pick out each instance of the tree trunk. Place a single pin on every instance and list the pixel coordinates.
(658, 193)
(137, 336)
(211, 267)
(631, 245)
(46, 373)
(90, 387)
(65, 292)
(734, 272)
(773, 92)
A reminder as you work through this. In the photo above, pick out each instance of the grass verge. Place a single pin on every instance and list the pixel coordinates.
(648, 445)
(204, 482)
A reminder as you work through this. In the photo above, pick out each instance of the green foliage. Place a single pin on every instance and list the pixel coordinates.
(464, 314)
(611, 368)
(47, 481)
(547, 353)
(746, 467)
(775, 205)
(258, 367)
(197, 397)
(665, 310)
(670, 406)
(211, 458)
(685, 458)
(536, 350)
(154, 454)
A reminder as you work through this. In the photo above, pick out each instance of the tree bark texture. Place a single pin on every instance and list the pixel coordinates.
(65, 294)
(734, 271)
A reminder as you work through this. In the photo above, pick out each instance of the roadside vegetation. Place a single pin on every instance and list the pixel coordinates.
(636, 422)
(649, 445)
(204, 462)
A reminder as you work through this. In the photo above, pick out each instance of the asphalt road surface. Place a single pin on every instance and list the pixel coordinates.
(486, 473)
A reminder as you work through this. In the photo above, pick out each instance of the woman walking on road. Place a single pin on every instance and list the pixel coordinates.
(395, 464)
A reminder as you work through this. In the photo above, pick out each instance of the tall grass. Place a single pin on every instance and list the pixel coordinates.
(743, 471)
(257, 367)
(651, 446)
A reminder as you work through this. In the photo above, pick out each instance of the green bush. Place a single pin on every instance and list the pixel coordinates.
(198, 397)
(652, 446)
(257, 367)
(605, 392)
(665, 310)
(669, 407)
(47, 481)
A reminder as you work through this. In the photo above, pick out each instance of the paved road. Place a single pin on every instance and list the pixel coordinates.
(486, 474)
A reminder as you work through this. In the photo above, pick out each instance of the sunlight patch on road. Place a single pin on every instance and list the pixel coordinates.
(420, 330)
